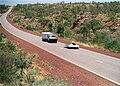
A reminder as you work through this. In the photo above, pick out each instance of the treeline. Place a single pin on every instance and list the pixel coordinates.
(91, 23)
(16, 68)
(3, 8)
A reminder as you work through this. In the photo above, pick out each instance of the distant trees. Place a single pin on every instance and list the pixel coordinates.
(112, 18)
(3, 8)
(44, 22)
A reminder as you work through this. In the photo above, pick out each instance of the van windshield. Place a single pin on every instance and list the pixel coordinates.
(52, 36)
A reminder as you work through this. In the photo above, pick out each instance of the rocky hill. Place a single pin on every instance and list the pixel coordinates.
(97, 24)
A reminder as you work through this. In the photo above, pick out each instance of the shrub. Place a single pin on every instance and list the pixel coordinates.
(60, 29)
(50, 81)
(68, 34)
(0, 38)
(30, 28)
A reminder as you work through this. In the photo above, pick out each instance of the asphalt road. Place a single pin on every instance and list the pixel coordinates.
(102, 65)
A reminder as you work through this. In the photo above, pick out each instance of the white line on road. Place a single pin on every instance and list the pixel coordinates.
(99, 61)
(76, 53)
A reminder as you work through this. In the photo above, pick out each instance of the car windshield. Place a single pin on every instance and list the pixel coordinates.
(73, 43)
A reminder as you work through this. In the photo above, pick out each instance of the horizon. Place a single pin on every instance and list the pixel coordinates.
(15, 2)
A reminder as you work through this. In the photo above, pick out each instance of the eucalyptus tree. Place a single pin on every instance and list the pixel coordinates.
(94, 25)
(83, 30)
(60, 29)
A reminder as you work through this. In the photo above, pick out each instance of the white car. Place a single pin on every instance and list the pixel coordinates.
(72, 46)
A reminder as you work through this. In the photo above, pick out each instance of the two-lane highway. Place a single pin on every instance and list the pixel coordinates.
(102, 65)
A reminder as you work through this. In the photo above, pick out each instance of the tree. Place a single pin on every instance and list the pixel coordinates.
(0, 38)
(44, 22)
(68, 33)
(94, 25)
(112, 18)
(99, 37)
(93, 10)
(3, 8)
(84, 30)
(60, 29)
(50, 26)
(108, 42)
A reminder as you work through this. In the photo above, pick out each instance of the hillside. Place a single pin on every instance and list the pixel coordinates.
(17, 67)
(96, 24)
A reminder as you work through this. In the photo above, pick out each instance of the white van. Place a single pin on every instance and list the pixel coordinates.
(49, 37)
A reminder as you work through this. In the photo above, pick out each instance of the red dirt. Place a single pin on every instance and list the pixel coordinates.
(61, 69)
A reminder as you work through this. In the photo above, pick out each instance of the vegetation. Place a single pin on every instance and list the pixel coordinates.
(3, 8)
(15, 69)
(80, 22)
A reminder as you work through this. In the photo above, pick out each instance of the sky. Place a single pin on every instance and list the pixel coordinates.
(14, 2)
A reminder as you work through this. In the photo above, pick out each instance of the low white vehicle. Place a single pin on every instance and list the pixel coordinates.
(72, 46)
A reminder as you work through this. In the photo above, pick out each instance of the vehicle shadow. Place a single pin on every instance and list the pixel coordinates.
(71, 48)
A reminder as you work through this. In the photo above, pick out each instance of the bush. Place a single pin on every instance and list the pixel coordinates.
(100, 37)
(8, 46)
(108, 42)
(6, 66)
(30, 28)
(49, 81)
(0, 38)
(3, 35)
(60, 29)
(68, 34)
(16, 20)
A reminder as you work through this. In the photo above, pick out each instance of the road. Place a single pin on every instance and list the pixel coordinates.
(102, 65)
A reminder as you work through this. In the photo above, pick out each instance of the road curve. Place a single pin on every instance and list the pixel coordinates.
(102, 65)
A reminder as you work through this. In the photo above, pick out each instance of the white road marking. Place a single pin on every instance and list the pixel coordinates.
(99, 61)
(76, 53)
